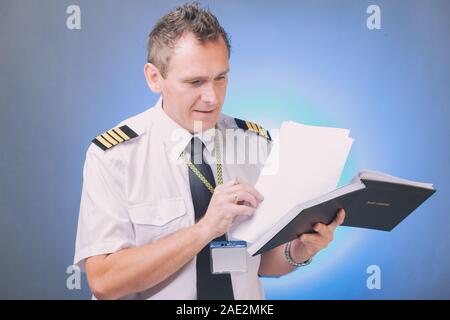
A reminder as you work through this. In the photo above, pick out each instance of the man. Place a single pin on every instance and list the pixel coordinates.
(149, 209)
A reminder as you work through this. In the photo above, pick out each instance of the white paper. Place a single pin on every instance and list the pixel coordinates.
(310, 160)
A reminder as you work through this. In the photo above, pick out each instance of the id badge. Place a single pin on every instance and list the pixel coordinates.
(228, 256)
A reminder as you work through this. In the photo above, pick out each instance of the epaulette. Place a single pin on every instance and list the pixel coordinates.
(247, 125)
(113, 137)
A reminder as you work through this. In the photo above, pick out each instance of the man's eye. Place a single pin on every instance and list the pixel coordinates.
(196, 82)
(221, 78)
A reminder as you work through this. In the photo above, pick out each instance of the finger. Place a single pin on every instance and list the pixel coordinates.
(244, 196)
(340, 217)
(240, 210)
(249, 189)
(325, 231)
(338, 220)
(319, 227)
(225, 185)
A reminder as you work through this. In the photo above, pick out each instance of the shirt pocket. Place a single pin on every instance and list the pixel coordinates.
(155, 220)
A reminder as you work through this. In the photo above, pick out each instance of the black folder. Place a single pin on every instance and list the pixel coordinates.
(373, 200)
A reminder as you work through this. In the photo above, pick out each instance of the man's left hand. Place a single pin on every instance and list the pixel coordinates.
(308, 244)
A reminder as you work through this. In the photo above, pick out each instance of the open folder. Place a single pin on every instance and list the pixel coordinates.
(372, 200)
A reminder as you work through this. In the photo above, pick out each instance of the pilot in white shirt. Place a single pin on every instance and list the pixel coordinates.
(149, 210)
(136, 192)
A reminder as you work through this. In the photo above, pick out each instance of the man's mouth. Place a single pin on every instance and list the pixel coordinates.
(204, 111)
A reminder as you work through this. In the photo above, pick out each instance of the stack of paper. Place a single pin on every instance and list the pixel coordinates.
(305, 162)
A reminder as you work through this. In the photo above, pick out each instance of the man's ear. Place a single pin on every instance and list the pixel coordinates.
(153, 77)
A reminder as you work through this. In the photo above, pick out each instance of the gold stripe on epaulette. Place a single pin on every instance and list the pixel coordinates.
(109, 139)
(262, 131)
(251, 126)
(104, 142)
(115, 136)
(257, 126)
(122, 134)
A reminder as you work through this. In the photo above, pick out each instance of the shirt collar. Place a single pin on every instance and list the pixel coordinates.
(175, 137)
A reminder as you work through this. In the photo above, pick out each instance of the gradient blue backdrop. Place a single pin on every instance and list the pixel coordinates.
(310, 61)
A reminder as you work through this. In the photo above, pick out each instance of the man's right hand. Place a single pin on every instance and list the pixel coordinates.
(228, 201)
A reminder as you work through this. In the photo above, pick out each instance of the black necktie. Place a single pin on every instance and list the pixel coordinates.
(209, 286)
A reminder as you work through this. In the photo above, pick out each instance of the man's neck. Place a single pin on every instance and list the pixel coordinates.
(198, 128)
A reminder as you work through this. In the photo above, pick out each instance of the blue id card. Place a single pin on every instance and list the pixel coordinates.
(228, 256)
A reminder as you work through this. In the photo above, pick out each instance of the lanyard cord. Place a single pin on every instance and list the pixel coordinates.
(199, 174)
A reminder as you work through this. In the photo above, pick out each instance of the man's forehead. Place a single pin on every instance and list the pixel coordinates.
(192, 58)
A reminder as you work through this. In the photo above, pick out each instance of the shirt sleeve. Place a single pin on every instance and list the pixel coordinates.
(103, 223)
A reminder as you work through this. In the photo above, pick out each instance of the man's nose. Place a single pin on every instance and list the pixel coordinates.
(209, 95)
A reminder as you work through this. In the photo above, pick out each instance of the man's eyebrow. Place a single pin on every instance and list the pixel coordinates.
(223, 73)
(191, 78)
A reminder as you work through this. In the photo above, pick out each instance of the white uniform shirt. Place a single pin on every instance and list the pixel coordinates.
(136, 193)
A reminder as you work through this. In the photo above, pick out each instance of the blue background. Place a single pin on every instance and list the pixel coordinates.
(313, 62)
